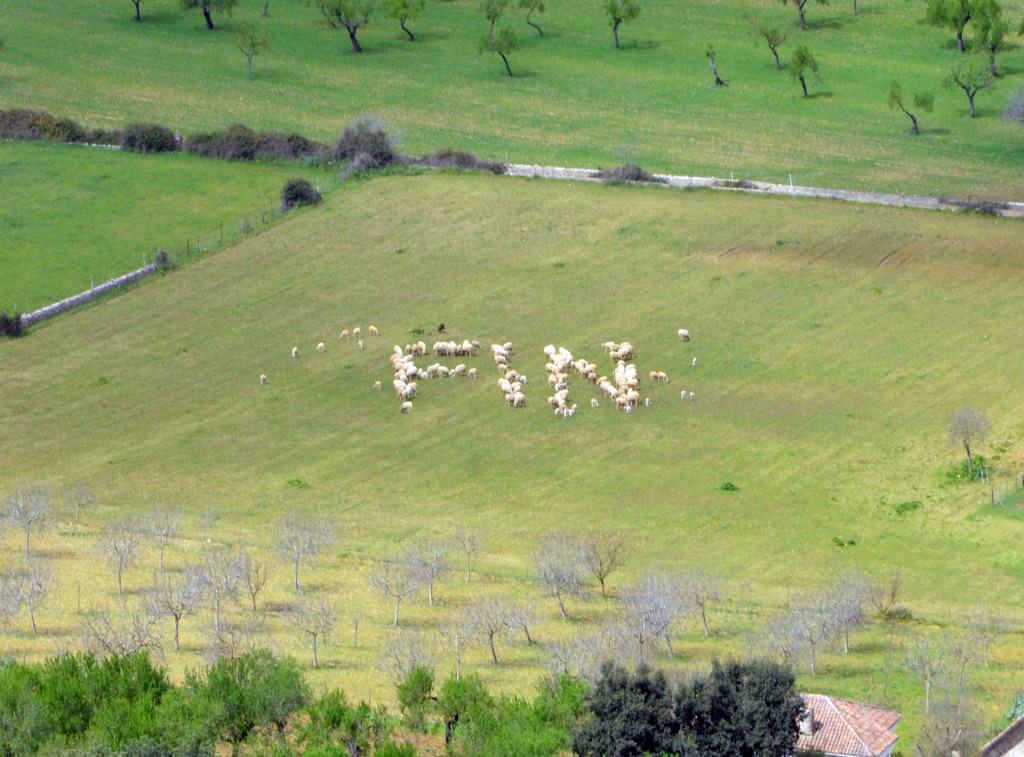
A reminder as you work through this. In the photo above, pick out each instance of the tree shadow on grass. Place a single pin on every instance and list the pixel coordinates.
(523, 74)
(832, 23)
(640, 44)
(825, 95)
(933, 132)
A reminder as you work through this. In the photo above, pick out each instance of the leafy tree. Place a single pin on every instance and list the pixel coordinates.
(801, 9)
(253, 690)
(632, 714)
(620, 12)
(950, 14)
(404, 11)
(415, 694)
(250, 41)
(333, 722)
(741, 708)
(921, 101)
(24, 718)
(802, 65)
(493, 10)
(208, 6)
(352, 15)
(968, 426)
(503, 44)
(461, 698)
(138, 9)
(774, 37)
(991, 30)
(531, 7)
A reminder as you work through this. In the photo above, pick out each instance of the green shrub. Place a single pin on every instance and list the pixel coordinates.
(959, 474)
(729, 486)
(22, 123)
(146, 138)
(367, 143)
(298, 192)
(414, 697)
(903, 508)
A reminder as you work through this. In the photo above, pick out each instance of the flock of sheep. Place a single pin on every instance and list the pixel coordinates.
(623, 388)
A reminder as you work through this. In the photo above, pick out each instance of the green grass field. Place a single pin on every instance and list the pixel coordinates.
(833, 342)
(577, 100)
(77, 216)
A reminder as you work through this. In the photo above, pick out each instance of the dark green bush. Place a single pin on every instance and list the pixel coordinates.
(627, 173)
(414, 697)
(23, 123)
(146, 138)
(276, 146)
(10, 325)
(367, 141)
(298, 192)
(729, 486)
(237, 142)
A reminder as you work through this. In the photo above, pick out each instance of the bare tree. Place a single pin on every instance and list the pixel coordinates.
(923, 656)
(119, 545)
(524, 617)
(300, 537)
(221, 569)
(106, 633)
(470, 541)
(844, 600)
(649, 610)
(402, 651)
(700, 589)
(396, 580)
(985, 625)
(254, 572)
(490, 618)
(231, 640)
(78, 496)
(883, 594)
(430, 561)
(603, 552)
(967, 427)
(316, 619)
(557, 563)
(161, 525)
(10, 596)
(457, 630)
(28, 508)
(952, 728)
(32, 581)
(799, 633)
(583, 654)
(177, 596)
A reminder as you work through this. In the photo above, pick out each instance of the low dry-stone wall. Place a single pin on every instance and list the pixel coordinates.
(1005, 209)
(37, 316)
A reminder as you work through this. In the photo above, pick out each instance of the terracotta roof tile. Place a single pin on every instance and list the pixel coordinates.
(848, 728)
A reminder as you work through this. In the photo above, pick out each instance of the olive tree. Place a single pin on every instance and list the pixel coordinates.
(351, 15)
(920, 101)
(493, 10)
(774, 37)
(801, 9)
(503, 44)
(531, 7)
(803, 65)
(404, 11)
(250, 41)
(991, 29)
(620, 12)
(951, 14)
(208, 6)
(968, 426)
(301, 537)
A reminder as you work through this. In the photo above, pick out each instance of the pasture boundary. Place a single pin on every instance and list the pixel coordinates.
(997, 208)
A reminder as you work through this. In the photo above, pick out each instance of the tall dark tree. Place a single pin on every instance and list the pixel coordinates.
(531, 7)
(746, 709)
(631, 714)
(138, 9)
(620, 12)
(801, 9)
(350, 15)
(712, 57)
(920, 101)
(951, 14)
(404, 11)
(208, 7)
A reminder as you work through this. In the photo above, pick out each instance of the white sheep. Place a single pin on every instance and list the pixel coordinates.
(360, 345)
(694, 362)
(295, 351)
(376, 386)
(594, 403)
(343, 334)
(356, 332)
(647, 402)
(684, 334)
(406, 407)
(321, 347)
(518, 399)
(373, 330)
(263, 379)
(471, 373)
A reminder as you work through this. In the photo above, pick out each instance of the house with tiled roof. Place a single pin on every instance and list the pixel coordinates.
(841, 728)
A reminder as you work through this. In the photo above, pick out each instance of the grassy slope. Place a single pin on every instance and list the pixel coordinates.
(833, 341)
(579, 101)
(75, 215)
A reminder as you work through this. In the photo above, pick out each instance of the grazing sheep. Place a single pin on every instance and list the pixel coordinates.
(684, 334)
(406, 407)
(295, 351)
(471, 373)
(343, 334)
(627, 409)
(594, 403)
(360, 345)
(694, 363)
(356, 332)
(372, 330)
(518, 399)
(321, 347)
(263, 378)
(647, 402)
(376, 386)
